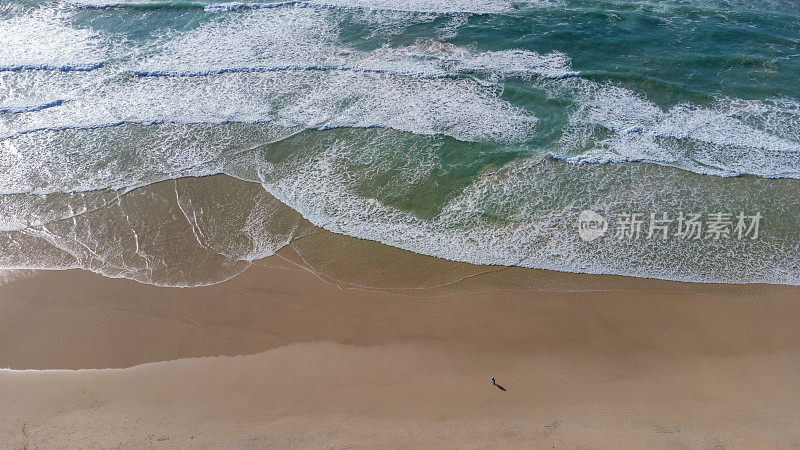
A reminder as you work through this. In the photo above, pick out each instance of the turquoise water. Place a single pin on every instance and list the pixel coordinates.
(475, 131)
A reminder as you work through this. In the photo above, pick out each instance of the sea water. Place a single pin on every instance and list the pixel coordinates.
(476, 131)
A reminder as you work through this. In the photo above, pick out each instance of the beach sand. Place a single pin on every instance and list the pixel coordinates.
(364, 345)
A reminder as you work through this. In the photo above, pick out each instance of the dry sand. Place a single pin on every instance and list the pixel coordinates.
(293, 353)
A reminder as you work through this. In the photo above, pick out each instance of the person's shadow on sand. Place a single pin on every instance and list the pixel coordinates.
(494, 383)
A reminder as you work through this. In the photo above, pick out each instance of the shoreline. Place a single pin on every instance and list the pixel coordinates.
(239, 223)
(323, 269)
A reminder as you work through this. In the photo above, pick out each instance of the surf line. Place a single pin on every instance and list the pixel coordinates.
(45, 67)
(234, 6)
(32, 108)
(101, 126)
(167, 73)
(225, 7)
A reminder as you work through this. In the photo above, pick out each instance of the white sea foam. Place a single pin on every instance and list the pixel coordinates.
(425, 6)
(728, 139)
(259, 39)
(121, 157)
(434, 6)
(96, 3)
(36, 159)
(459, 108)
(538, 219)
(778, 116)
(291, 39)
(520, 63)
(435, 58)
(422, 6)
(621, 111)
(30, 90)
(44, 39)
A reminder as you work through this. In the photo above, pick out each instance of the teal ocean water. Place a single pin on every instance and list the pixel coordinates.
(475, 131)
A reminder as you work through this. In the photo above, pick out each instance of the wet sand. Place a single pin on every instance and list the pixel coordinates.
(363, 345)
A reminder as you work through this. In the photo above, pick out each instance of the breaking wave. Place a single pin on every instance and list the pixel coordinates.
(425, 6)
(43, 39)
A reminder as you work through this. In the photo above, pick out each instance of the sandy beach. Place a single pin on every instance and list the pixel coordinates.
(308, 350)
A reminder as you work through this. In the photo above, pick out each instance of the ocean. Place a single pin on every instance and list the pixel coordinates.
(655, 139)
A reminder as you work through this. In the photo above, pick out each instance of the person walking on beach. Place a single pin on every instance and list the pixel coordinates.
(494, 383)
